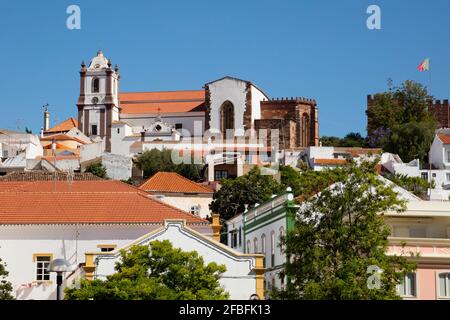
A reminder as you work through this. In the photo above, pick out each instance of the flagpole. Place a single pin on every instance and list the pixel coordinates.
(429, 67)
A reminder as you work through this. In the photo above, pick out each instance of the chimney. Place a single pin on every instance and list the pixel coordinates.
(216, 226)
(42, 132)
(46, 118)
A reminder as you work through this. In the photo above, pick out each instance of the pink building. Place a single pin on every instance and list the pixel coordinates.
(424, 228)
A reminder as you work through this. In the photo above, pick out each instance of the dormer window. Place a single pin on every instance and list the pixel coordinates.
(95, 85)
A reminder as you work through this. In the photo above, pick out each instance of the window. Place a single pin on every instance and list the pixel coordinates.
(5, 153)
(448, 177)
(94, 129)
(95, 85)
(226, 117)
(448, 156)
(281, 243)
(248, 246)
(407, 287)
(233, 238)
(118, 130)
(444, 285)
(221, 174)
(106, 247)
(263, 248)
(272, 249)
(424, 175)
(240, 236)
(433, 175)
(42, 261)
(195, 210)
(178, 126)
(255, 245)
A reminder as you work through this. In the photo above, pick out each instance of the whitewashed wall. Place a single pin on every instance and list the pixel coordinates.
(232, 90)
(238, 280)
(185, 202)
(19, 243)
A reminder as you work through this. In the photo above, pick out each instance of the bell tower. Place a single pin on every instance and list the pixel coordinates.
(98, 103)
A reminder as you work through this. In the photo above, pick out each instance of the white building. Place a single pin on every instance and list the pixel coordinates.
(130, 123)
(180, 192)
(242, 279)
(320, 158)
(44, 220)
(17, 149)
(259, 230)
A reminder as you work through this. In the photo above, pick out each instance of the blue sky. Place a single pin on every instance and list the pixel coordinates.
(318, 49)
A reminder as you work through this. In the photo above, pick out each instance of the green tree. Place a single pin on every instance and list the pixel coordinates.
(339, 233)
(248, 189)
(416, 185)
(156, 272)
(5, 285)
(352, 139)
(400, 111)
(154, 160)
(97, 169)
(411, 140)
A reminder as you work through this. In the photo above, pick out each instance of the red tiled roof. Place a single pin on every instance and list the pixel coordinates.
(445, 138)
(166, 101)
(19, 177)
(61, 137)
(357, 151)
(57, 158)
(173, 182)
(64, 126)
(329, 161)
(104, 201)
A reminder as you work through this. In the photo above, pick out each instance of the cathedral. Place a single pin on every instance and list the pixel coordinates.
(129, 122)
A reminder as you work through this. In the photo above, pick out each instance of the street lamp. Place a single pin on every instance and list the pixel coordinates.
(59, 266)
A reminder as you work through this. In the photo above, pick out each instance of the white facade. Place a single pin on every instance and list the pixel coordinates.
(439, 155)
(118, 167)
(259, 230)
(21, 244)
(239, 280)
(197, 204)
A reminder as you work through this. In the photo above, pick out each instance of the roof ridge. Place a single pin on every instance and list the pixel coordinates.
(206, 189)
(146, 196)
(162, 91)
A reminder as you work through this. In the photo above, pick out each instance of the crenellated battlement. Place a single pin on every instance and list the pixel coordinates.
(293, 100)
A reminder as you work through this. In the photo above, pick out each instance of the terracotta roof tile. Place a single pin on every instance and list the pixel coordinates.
(173, 182)
(106, 201)
(164, 101)
(64, 126)
(445, 138)
(24, 176)
(330, 161)
(61, 137)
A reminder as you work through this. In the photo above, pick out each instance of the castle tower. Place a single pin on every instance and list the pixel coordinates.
(98, 103)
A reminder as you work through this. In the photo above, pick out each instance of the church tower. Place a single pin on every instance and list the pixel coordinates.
(98, 103)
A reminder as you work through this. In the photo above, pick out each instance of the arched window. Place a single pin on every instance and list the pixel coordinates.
(263, 248)
(263, 243)
(255, 245)
(226, 117)
(272, 248)
(305, 130)
(248, 246)
(95, 85)
(280, 244)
